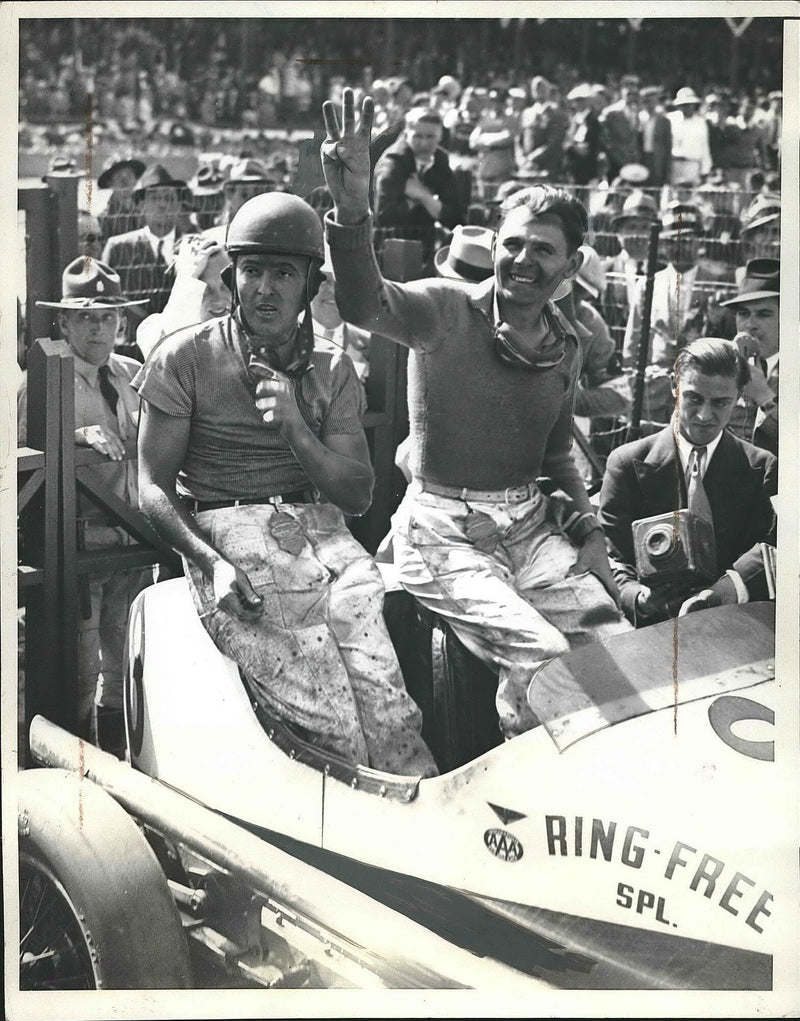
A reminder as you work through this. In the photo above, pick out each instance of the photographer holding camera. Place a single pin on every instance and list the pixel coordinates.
(687, 511)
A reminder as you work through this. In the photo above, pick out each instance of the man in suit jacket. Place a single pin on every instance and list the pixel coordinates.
(620, 133)
(414, 185)
(582, 139)
(648, 477)
(757, 309)
(144, 258)
(656, 136)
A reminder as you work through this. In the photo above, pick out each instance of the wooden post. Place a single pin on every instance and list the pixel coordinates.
(644, 339)
(42, 277)
(68, 580)
(41, 528)
(65, 220)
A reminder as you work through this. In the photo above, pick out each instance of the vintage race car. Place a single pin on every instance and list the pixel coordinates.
(627, 843)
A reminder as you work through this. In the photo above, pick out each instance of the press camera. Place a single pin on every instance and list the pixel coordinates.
(674, 545)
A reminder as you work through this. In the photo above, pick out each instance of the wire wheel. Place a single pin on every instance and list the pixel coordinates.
(54, 948)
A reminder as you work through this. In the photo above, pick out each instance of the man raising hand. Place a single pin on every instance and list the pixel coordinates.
(520, 577)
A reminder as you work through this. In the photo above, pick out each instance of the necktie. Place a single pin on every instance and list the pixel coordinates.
(697, 496)
(160, 251)
(107, 388)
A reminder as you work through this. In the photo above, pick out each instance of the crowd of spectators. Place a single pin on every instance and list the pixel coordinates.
(667, 135)
(268, 72)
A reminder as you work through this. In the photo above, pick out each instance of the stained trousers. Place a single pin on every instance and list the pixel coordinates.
(514, 608)
(319, 657)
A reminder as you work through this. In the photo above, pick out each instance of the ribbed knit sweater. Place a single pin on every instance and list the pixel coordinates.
(475, 422)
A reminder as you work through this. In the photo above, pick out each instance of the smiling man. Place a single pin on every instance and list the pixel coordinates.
(491, 384)
(251, 447)
(733, 486)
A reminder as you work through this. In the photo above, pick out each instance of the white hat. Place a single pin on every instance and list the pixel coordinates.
(583, 91)
(686, 97)
(591, 276)
(468, 256)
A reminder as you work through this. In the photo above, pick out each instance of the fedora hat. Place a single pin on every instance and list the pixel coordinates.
(591, 276)
(761, 280)
(681, 218)
(468, 256)
(762, 210)
(89, 283)
(250, 171)
(637, 205)
(686, 97)
(115, 163)
(156, 176)
(207, 181)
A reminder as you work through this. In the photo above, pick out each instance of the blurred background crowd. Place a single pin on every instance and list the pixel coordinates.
(633, 114)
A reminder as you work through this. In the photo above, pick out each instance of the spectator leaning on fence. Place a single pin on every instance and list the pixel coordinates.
(492, 373)
(106, 418)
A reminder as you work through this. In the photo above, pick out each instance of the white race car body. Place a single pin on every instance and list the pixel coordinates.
(628, 843)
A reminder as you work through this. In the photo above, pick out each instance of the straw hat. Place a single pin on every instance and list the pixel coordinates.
(468, 256)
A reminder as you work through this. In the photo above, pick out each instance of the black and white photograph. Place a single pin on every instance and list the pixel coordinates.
(400, 606)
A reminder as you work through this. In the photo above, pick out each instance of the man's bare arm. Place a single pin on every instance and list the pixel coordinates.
(163, 442)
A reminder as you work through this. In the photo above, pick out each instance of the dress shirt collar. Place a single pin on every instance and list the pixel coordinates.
(169, 242)
(685, 449)
(85, 369)
(681, 291)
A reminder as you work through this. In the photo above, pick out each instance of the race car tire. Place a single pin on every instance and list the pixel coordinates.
(95, 908)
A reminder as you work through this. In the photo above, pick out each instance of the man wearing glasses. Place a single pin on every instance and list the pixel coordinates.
(521, 577)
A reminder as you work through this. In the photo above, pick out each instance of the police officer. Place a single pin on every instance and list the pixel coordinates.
(251, 448)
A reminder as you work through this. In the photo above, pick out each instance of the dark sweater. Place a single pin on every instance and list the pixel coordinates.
(475, 422)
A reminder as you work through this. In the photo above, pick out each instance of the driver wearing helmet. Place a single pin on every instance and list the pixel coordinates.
(251, 448)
